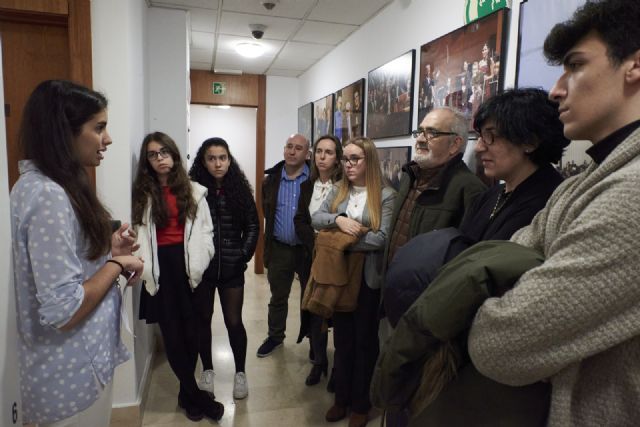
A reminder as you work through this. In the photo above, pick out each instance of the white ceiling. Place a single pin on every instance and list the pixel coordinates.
(298, 33)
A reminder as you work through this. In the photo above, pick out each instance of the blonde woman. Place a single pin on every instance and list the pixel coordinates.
(358, 200)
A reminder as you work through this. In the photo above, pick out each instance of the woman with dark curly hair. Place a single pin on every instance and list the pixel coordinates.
(520, 137)
(236, 229)
(175, 232)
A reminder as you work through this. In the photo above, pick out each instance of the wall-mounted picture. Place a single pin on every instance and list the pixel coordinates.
(305, 121)
(348, 111)
(391, 161)
(390, 98)
(536, 20)
(463, 68)
(323, 116)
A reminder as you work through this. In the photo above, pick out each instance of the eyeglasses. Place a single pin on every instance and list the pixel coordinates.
(351, 161)
(430, 134)
(488, 136)
(155, 155)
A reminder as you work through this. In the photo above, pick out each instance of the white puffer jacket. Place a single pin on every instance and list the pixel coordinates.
(198, 243)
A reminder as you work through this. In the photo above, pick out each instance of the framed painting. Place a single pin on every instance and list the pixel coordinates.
(348, 111)
(536, 20)
(463, 68)
(323, 116)
(391, 161)
(390, 97)
(305, 121)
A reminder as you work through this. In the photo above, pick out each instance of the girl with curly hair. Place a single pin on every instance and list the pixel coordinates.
(175, 232)
(236, 229)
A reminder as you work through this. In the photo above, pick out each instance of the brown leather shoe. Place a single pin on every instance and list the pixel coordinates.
(358, 420)
(336, 413)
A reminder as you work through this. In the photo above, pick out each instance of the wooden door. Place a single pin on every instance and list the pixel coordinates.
(31, 53)
(41, 39)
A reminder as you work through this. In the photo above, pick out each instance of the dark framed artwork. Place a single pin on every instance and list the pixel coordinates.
(305, 121)
(323, 116)
(348, 111)
(391, 161)
(463, 68)
(390, 97)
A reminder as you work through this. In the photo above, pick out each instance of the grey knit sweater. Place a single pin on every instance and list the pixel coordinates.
(575, 320)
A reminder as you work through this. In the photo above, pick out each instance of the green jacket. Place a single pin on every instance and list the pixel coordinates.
(441, 316)
(442, 204)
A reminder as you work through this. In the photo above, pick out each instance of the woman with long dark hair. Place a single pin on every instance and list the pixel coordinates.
(326, 171)
(67, 261)
(174, 226)
(236, 229)
(360, 200)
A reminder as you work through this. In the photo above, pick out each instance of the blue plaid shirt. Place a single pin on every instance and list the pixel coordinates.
(286, 206)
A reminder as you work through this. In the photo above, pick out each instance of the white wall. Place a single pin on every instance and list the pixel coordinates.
(403, 25)
(282, 116)
(10, 406)
(118, 37)
(168, 74)
(236, 125)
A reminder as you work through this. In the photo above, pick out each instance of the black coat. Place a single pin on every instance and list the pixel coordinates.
(235, 238)
(524, 203)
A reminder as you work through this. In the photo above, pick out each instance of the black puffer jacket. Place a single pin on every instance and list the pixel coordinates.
(235, 236)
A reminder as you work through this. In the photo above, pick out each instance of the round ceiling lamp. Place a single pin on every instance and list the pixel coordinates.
(250, 49)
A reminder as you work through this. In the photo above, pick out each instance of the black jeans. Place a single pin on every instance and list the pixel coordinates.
(356, 342)
(285, 261)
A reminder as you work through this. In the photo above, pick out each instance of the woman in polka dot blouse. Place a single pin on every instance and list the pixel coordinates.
(66, 261)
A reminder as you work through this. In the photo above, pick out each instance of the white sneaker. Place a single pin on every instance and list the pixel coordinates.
(240, 386)
(206, 381)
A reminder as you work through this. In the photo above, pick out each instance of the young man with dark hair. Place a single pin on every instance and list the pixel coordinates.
(575, 320)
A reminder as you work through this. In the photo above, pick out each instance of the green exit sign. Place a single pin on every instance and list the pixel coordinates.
(218, 88)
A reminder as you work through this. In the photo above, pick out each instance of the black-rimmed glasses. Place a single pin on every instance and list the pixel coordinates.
(351, 161)
(155, 155)
(430, 134)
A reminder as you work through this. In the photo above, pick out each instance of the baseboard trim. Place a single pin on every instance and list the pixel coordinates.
(131, 415)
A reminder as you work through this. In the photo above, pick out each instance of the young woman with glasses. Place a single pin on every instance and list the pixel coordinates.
(235, 229)
(67, 261)
(171, 216)
(326, 170)
(358, 200)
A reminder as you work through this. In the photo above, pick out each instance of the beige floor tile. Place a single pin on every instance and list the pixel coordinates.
(277, 393)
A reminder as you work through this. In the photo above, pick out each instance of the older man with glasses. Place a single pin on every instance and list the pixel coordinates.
(436, 187)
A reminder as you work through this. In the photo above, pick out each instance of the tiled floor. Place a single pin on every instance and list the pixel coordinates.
(277, 393)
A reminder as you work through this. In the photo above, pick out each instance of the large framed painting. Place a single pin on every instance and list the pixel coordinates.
(391, 161)
(463, 68)
(348, 111)
(305, 121)
(390, 97)
(323, 116)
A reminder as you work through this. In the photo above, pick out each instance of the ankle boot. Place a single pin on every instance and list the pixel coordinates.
(315, 374)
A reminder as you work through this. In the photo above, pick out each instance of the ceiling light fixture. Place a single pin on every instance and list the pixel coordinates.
(250, 49)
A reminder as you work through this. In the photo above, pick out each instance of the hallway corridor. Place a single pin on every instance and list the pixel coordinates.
(277, 393)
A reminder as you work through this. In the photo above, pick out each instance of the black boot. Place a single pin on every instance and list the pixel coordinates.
(314, 376)
(331, 384)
